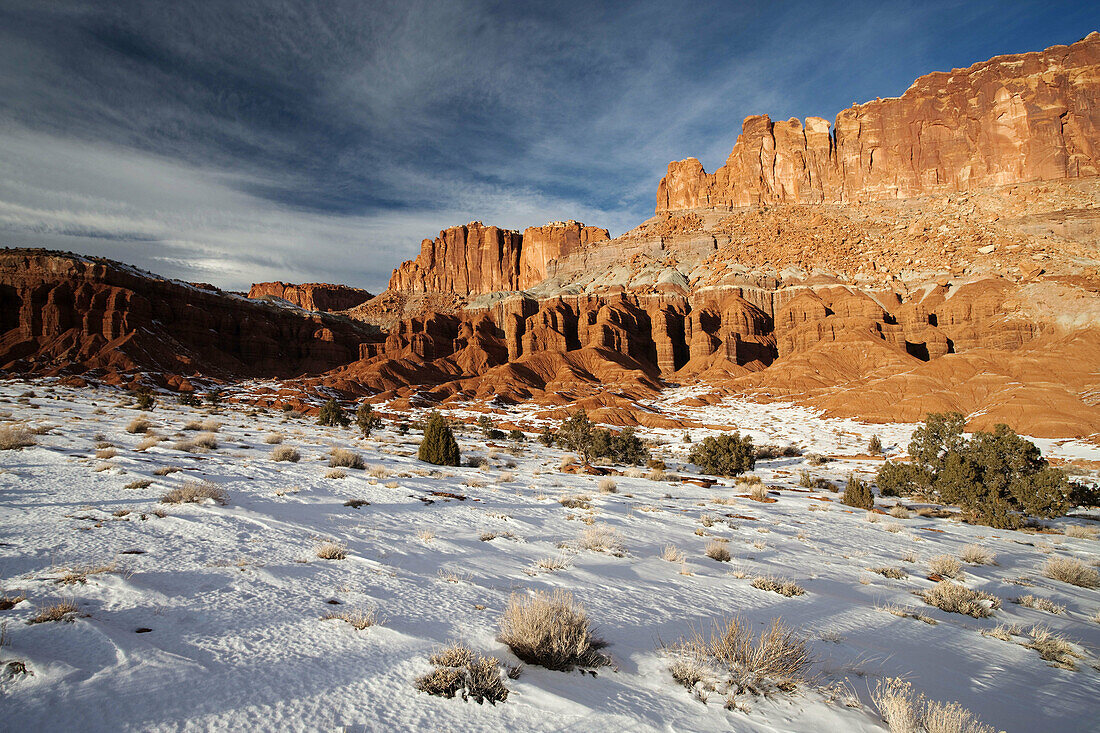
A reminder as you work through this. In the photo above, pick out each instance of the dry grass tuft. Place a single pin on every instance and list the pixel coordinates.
(1082, 533)
(60, 611)
(672, 553)
(9, 602)
(601, 538)
(778, 585)
(759, 492)
(196, 492)
(899, 512)
(14, 437)
(608, 486)
(379, 471)
(576, 501)
(165, 470)
(945, 566)
(553, 563)
(286, 453)
(358, 618)
(890, 572)
(148, 442)
(344, 458)
(201, 442)
(977, 555)
(955, 598)
(1040, 604)
(458, 670)
(331, 551)
(903, 612)
(659, 474)
(141, 483)
(78, 575)
(907, 712)
(139, 425)
(717, 551)
(336, 473)
(1053, 648)
(105, 453)
(273, 438)
(1072, 571)
(551, 630)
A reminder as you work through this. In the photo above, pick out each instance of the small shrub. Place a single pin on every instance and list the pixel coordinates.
(672, 553)
(356, 503)
(575, 501)
(1082, 533)
(344, 458)
(1072, 571)
(141, 483)
(1040, 604)
(718, 551)
(608, 486)
(778, 585)
(977, 555)
(601, 538)
(858, 494)
(759, 493)
(196, 492)
(15, 437)
(336, 473)
(165, 470)
(890, 572)
(188, 399)
(906, 712)
(138, 425)
(360, 620)
(1053, 648)
(899, 512)
(438, 445)
(60, 611)
(331, 551)
(286, 453)
(333, 415)
(106, 453)
(724, 455)
(273, 438)
(945, 566)
(874, 446)
(458, 670)
(146, 400)
(658, 474)
(366, 420)
(551, 630)
(955, 598)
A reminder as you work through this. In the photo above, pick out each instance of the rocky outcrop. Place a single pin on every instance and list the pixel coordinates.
(475, 259)
(312, 296)
(1015, 118)
(67, 313)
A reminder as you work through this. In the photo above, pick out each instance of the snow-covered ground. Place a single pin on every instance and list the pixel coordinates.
(229, 599)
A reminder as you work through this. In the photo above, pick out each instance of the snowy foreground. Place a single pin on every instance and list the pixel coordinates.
(207, 616)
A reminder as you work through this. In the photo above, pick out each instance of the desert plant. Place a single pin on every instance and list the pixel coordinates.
(607, 486)
(196, 492)
(333, 415)
(874, 446)
(890, 572)
(601, 538)
(858, 494)
(138, 425)
(273, 438)
(1072, 571)
(778, 585)
(955, 598)
(60, 611)
(357, 618)
(286, 453)
(329, 550)
(1040, 604)
(945, 566)
(1053, 648)
(759, 492)
(438, 446)
(344, 458)
(1082, 533)
(551, 630)
(899, 512)
(366, 420)
(718, 551)
(458, 670)
(907, 712)
(575, 501)
(672, 553)
(977, 555)
(547, 437)
(724, 455)
(145, 400)
(14, 437)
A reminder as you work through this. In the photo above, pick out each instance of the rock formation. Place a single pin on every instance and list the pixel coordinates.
(1015, 118)
(66, 314)
(312, 296)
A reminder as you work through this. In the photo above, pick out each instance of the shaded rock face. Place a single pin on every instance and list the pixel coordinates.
(312, 296)
(1024, 117)
(68, 313)
(475, 259)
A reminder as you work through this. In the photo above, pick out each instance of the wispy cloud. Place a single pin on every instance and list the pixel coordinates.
(240, 140)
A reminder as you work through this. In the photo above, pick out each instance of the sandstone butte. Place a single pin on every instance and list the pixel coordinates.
(933, 251)
(312, 296)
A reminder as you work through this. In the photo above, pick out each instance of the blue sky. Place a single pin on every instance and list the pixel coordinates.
(237, 141)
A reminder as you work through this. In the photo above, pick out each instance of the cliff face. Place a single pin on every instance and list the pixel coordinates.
(65, 313)
(1016, 118)
(474, 259)
(312, 296)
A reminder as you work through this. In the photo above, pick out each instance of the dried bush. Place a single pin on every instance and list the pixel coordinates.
(105, 453)
(165, 470)
(14, 437)
(551, 630)
(286, 453)
(60, 611)
(273, 438)
(601, 538)
(576, 501)
(778, 585)
(955, 598)
(141, 483)
(718, 551)
(907, 712)
(331, 551)
(899, 512)
(1040, 604)
(977, 555)
(889, 572)
(672, 553)
(138, 425)
(945, 566)
(1072, 571)
(344, 458)
(336, 473)
(1053, 648)
(1082, 533)
(196, 492)
(458, 670)
(358, 618)
(608, 486)
(759, 493)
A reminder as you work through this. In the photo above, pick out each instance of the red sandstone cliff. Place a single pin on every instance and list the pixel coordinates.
(312, 296)
(1015, 118)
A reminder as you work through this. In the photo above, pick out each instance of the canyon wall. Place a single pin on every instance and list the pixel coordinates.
(312, 296)
(1015, 118)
